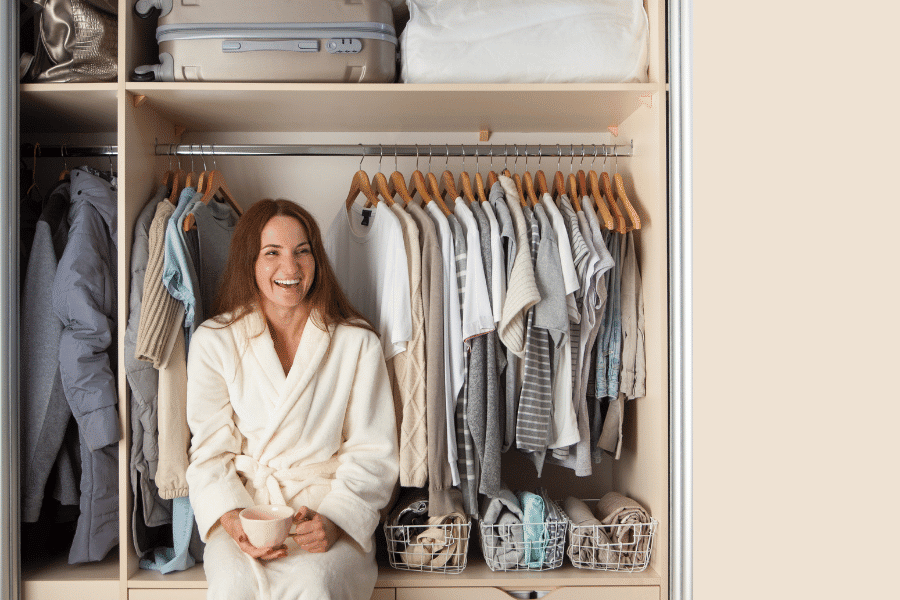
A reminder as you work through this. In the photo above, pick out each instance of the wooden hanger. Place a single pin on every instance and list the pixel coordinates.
(582, 184)
(418, 185)
(602, 209)
(434, 189)
(398, 184)
(623, 197)
(541, 181)
(465, 182)
(215, 188)
(174, 180)
(360, 184)
(573, 191)
(479, 187)
(529, 184)
(559, 183)
(492, 176)
(383, 187)
(610, 199)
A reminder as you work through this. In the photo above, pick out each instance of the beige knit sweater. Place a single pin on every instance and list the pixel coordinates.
(407, 369)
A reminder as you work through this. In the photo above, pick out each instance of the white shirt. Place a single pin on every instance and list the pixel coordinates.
(478, 317)
(454, 365)
(370, 263)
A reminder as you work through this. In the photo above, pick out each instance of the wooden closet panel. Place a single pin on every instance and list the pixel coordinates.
(566, 593)
(200, 594)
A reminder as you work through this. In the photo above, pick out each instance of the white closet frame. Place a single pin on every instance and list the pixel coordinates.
(135, 116)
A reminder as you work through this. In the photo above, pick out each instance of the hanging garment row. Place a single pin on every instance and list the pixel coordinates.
(70, 424)
(181, 244)
(510, 316)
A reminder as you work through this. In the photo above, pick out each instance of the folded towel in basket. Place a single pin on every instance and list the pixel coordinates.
(434, 542)
(631, 533)
(556, 532)
(589, 544)
(535, 529)
(502, 536)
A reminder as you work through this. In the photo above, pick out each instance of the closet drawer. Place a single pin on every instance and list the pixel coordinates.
(566, 593)
(200, 594)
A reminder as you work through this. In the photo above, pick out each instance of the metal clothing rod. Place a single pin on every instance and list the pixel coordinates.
(435, 151)
(66, 151)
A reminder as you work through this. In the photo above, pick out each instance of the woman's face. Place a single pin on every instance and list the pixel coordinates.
(285, 267)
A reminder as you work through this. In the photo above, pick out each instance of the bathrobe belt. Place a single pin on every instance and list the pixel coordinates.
(277, 486)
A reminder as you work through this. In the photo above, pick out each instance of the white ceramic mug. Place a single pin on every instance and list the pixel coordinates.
(267, 525)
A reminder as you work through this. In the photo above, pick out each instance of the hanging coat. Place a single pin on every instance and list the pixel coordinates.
(84, 299)
(322, 436)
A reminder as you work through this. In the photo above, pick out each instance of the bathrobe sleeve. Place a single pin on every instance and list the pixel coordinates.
(369, 455)
(214, 484)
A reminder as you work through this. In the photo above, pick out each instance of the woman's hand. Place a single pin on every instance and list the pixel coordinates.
(231, 521)
(315, 532)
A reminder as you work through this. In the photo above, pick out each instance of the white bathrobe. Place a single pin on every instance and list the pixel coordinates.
(323, 436)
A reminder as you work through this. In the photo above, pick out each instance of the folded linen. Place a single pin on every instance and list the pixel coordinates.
(629, 526)
(503, 542)
(589, 545)
(556, 532)
(429, 542)
(534, 528)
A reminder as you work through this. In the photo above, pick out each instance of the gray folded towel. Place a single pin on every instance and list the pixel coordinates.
(502, 536)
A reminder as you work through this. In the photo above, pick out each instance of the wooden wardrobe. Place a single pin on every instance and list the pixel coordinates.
(137, 116)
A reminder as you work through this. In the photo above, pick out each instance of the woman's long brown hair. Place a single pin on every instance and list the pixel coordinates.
(239, 294)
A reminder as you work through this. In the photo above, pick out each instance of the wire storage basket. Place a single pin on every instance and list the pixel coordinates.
(439, 548)
(515, 546)
(616, 547)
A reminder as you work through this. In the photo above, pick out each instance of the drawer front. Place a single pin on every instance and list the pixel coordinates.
(200, 594)
(567, 593)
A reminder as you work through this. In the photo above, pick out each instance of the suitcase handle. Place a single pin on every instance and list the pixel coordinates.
(333, 46)
(146, 9)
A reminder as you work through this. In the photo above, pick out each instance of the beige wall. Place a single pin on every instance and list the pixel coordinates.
(796, 208)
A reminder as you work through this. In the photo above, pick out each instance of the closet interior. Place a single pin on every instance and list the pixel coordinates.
(551, 126)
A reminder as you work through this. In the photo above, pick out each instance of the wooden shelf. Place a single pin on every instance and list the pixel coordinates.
(56, 578)
(68, 107)
(476, 574)
(394, 107)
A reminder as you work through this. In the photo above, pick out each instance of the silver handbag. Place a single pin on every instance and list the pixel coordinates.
(76, 41)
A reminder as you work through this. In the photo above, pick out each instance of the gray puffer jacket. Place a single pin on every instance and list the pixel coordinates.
(84, 299)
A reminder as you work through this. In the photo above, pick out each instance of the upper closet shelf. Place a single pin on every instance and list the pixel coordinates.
(394, 107)
(68, 107)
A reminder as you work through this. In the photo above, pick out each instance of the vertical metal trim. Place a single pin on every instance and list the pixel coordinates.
(10, 563)
(680, 13)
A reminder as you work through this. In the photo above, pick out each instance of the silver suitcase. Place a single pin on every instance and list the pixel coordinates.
(313, 41)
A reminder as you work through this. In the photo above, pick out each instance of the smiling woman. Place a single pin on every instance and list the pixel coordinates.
(302, 417)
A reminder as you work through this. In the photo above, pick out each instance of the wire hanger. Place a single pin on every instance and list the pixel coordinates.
(380, 183)
(572, 181)
(479, 182)
(529, 182)
(360, 184)
(610, 199)
(594, 187)
(623, 197)
(465, 183)
(399, 185)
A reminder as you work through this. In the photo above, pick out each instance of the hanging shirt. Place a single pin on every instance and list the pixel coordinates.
(569, 274)
(497, 267)
(550, 314)
(365, 247)
(454, 357)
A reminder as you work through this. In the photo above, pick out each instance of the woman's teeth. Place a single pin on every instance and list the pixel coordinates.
(287, 282)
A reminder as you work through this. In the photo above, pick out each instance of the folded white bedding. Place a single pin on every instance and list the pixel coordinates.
(525, 41)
